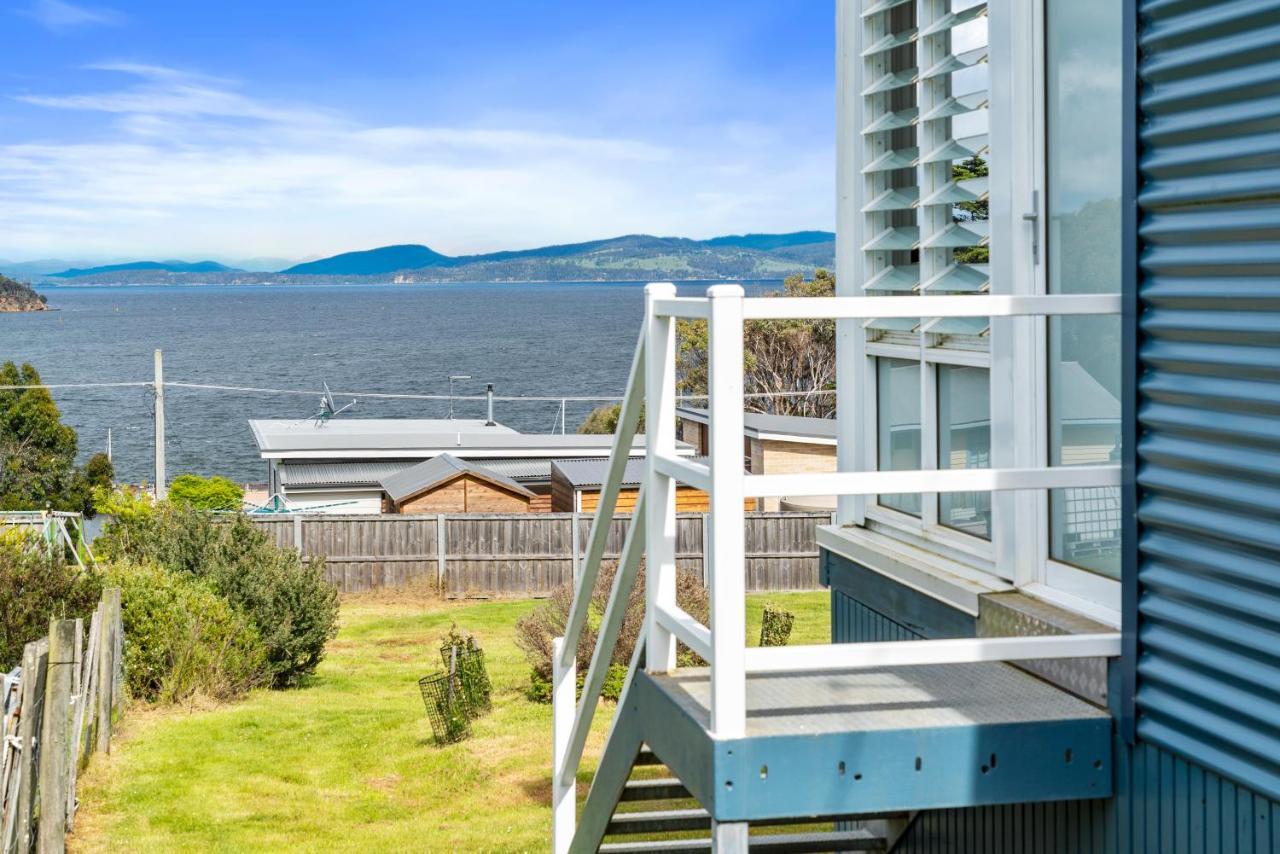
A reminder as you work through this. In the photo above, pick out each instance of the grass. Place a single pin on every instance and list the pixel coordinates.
(347, 761)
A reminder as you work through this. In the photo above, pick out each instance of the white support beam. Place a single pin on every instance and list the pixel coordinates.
(690, 632)
(564, 684)
(728, 527)
(963, 305)
(687, 472)
(868, 656)
(660, 428)
(685, 307)
(943, 480)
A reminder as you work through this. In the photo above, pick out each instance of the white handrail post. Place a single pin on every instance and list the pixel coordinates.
(564, 680)
(728, 529)
(660, 440)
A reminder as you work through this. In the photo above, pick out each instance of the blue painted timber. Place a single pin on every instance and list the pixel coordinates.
(1163, 802)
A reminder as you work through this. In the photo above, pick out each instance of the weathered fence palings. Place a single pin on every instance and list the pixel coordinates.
(522, 554)
(68, 686)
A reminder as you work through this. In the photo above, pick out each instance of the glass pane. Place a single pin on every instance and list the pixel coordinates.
(1083, 44)
(898, 424)
(964, 442)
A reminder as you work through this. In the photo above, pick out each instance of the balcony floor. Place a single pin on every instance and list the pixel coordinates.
(873, 741)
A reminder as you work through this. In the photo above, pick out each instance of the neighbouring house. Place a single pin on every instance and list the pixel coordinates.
(774, 444)
(338, 466)
(446, 484)
(576, 484)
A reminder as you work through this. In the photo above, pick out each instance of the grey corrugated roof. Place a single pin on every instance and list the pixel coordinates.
(587, 473)
(441, 469)
(783, 425)
(364, 473)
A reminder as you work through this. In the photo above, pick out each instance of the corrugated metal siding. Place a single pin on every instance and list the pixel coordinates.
(1209, 400)
(1163, 802)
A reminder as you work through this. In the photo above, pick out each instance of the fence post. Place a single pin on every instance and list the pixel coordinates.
(54, 729)
(705, 546)
(73, 722)
(106, 668)
(564, 685)
(35, 659)
(297, 534)
(440, 552)
(575, 538)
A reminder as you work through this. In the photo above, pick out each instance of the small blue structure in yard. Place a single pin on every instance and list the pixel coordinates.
(1055, 623)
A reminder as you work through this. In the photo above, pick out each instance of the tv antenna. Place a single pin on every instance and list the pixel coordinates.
(329, 407)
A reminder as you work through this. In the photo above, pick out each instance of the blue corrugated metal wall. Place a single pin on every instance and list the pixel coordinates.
(1163, 802)
(1208, 669)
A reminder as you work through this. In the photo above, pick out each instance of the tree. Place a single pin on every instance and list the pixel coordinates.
(603, 420)
(100, 472)
(38, 451)
(206, 493)
(974, 167)
(778, 356)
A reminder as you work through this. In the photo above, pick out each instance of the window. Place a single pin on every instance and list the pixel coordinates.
(898, 421)
(1083, 111)
(964, 442)
(982, 154)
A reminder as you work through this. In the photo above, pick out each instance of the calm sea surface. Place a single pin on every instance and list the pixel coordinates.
(544, 340)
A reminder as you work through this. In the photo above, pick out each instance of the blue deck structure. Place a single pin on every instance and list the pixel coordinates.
(1055, 563)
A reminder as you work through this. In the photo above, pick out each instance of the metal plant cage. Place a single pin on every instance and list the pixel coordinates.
(467, 661)
(447, 706)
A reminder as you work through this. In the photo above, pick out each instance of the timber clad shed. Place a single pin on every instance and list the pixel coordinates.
(575, 487)
(447, 484)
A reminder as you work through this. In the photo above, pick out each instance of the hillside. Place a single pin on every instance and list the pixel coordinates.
(626, 258)
(15, 296)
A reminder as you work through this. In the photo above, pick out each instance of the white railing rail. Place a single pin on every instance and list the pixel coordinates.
(652, 384)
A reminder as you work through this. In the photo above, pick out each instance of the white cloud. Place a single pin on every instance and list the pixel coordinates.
(192, 165)
(59, 15)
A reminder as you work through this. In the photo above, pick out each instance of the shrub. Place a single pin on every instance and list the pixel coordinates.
(183, 640)
(35, 587)
(206, 493)
(536, 630)
(288, 602)
(775, 625)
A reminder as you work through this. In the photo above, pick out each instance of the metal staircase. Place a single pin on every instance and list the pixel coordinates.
(769, 749)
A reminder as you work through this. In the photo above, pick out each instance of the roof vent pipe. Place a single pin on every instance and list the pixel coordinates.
(488, 397)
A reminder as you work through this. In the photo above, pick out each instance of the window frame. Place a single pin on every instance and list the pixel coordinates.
(1016, 356)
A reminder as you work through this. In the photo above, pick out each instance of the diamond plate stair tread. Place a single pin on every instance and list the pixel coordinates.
(893, 698)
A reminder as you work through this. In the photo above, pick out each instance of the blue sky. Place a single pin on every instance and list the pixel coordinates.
(235, 130)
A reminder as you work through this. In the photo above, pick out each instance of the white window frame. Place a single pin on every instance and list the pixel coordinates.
(1017, 357)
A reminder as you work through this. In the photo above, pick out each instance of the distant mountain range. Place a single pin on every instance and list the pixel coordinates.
(626, 258)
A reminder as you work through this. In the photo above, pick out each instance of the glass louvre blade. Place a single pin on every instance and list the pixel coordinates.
(891, 41)
(875, 7)
(956, 62)
(957, 106)
(901, 278)
(953, 193)
(896, 199)
(893, 80)
(890, 121)
(957, 326)
(894, 239)
(960, 278)
(952, 20)
(957, 149)
(892, 324)
(958, 235)
(902, 158)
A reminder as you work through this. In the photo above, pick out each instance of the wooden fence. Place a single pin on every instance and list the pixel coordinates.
(56, 711)
(523, 554)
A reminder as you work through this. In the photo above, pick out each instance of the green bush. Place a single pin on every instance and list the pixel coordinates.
(775, 625)
(183, 640)
(288, 602)
(35, 587)
(206, 493)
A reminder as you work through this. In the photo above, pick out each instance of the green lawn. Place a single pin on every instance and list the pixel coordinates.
(347, 762)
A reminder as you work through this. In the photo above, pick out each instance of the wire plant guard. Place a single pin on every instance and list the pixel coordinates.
(473, 676)
(461, 692)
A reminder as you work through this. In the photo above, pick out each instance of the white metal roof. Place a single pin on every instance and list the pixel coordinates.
(589, 473)
(783, 428)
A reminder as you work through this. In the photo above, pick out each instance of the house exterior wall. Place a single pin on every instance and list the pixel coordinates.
(1163, 802)
(465, 494)
(335, 501)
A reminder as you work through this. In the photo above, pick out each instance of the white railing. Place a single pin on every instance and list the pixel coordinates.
(723, 644)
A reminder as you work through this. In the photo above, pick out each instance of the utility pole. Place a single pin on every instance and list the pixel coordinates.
(161, 490)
